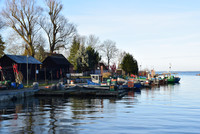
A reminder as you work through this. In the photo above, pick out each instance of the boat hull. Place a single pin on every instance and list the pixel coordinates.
(177, 79)
(96, 87)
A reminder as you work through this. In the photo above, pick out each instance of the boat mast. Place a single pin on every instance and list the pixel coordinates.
(170, 66)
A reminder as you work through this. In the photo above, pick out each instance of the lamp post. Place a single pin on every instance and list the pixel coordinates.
(27, 69)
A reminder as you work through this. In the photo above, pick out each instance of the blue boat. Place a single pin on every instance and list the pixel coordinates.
(137, 85)
(89, 82)
(97, 83)
(132, 83)
(177, 79)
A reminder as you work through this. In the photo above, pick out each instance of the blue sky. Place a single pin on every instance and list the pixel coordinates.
(156, 32)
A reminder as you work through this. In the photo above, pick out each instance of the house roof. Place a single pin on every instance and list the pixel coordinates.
(104, 66)
(23, 59)
(57, 59)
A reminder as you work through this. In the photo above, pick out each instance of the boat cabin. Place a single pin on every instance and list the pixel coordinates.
(96, 78)
(166, 75)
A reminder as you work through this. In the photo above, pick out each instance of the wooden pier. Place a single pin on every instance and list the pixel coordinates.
(81, 93)
(7, 95)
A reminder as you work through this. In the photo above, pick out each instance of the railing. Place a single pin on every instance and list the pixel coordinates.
(76, 74)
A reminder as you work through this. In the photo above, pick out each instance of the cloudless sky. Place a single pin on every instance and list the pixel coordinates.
(156, 32)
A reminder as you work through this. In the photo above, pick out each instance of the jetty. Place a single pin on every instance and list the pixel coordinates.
(17, 94)
(80, 92)
(14, 94)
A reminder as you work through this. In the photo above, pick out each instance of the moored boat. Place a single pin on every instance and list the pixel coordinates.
(170, 79)
(134, 82)
(144, 81)
(177, 79)
(97, 83)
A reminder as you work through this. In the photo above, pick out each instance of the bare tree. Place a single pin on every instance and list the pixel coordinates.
(82, 39)
(110, 50)
(22, 16)
(93, 41)
(14, 43)
(40, 42)
(15, 49)
(1, 24)
(121, 55)
(56, 26)
(2, 43)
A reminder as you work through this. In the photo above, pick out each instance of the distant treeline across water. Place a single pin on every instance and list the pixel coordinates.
(181, 72)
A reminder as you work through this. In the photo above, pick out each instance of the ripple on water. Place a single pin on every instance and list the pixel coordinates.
(168, 109)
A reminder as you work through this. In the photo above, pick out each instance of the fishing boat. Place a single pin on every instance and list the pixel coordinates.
(121, 81)
(177, 79)
(97, 83)
(144, 81)
(159, 80)
(133, 82)
(162, 80)
(170, 79)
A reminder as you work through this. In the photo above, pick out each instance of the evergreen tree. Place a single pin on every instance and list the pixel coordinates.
(73, 51)
(129, 64)
(2, 47)
(93, 57)
(40, 54)
(82, 59)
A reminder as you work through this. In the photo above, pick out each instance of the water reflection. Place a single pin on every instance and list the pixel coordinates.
(79, 115)
(163, 88)
(34, 115)
(160, 94)
(51, 115)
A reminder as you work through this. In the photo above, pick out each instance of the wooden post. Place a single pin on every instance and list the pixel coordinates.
(101, 67)
(45, 76)
(31, 74)
(51, 75)
(1, 75)
(35, 72)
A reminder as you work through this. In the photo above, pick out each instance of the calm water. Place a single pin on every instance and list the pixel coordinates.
(167, 109)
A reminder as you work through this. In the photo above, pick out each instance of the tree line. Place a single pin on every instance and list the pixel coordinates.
(31, 27)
